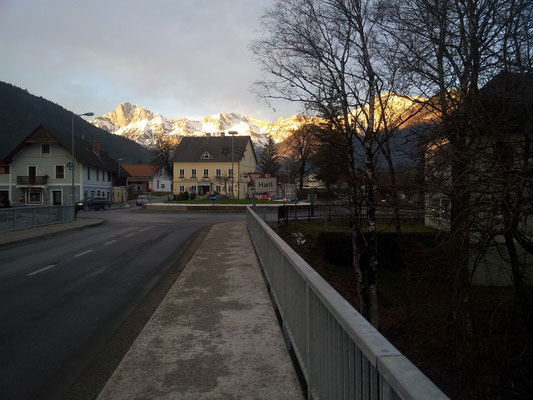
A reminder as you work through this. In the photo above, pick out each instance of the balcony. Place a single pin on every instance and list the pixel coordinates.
(32, 180)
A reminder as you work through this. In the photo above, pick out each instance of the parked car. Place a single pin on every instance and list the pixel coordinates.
(93, 203)
(142, 199)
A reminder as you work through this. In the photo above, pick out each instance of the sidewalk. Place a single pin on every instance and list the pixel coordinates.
(33, 234)
(214, 336)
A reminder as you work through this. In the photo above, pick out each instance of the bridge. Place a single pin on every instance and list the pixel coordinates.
(216, 335)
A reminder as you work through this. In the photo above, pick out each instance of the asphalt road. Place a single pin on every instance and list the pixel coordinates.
(63, 298)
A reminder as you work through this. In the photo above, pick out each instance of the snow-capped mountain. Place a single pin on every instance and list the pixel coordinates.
(146, 127)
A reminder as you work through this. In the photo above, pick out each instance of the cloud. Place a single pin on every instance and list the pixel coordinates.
(177, 58)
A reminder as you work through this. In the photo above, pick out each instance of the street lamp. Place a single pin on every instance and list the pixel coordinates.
(232, 133)
(116, 182)
(87, 114)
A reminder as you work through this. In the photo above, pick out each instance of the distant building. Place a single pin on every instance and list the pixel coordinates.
(145, 177)
(203, 165)
(38, 170)
(498, 170)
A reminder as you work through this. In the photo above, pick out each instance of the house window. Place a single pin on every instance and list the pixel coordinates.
(206, 172)
(60, 172)
(182, 173)
(4, 170)
(162, 186)
(230, 172)
(45, 149)
(98, 193)
(89, 173)
(92, 193)
(206, 156)
(218, 172)
(109, 176)
(182, 189)
(193, 173)
(193, 189)
(218, 189)
(230, 190)
(85, 193)
(97, 174)
(35, 197)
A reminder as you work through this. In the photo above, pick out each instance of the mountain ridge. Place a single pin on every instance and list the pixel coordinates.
(21, 112)
(147, 127)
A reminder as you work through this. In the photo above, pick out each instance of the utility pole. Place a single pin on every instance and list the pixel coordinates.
(87, 114)
(232, 133)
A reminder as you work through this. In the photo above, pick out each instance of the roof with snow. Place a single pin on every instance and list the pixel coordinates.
(212, 149)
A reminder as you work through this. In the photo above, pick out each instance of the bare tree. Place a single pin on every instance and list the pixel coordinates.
(162, 155)
(446, 50)
(301, 143)
(322, 54)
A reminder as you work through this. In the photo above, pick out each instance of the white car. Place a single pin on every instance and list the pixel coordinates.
(142, 199)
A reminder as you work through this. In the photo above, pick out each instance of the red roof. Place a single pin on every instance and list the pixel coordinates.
(140, 169)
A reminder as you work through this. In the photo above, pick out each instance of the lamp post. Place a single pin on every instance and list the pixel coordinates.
(116, 182)
(232, 133)
(87, 114)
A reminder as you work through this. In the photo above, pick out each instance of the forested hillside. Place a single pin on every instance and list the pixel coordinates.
(21, 112)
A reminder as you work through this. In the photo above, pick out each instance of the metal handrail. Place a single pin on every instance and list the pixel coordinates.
(342, 356)
(32, 180)
(16, 218)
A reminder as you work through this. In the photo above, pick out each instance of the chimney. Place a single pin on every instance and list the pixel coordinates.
(96, 147)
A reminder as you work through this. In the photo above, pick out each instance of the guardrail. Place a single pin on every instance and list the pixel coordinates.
(340, 354)
(13, 219)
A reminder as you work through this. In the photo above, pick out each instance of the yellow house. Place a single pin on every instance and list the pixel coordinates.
(203, 165)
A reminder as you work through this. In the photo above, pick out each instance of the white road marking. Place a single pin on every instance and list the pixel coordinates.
(41, 270)
(145, 229)
(113, 241)
(130, 234)
(81, 254)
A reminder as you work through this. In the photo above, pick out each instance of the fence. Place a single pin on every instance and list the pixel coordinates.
(12, 219)
(384, 214)
(341, 355)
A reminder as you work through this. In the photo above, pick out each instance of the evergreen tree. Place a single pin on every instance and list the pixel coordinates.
(269, 163)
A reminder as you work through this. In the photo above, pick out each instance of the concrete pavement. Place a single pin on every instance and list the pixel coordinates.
(214, 336)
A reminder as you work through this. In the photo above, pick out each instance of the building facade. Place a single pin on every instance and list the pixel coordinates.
(146, 177)
(39, 170)
(204, 165)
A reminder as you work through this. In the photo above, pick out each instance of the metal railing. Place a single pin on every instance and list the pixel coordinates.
(384, 214)
(341, 355)
(13, 219)
(32, 180)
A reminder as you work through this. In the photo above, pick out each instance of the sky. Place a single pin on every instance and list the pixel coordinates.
(178, 58)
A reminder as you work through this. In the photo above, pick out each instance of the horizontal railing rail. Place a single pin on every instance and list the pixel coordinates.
(32, 180)
(341, 355)
(16, 218)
